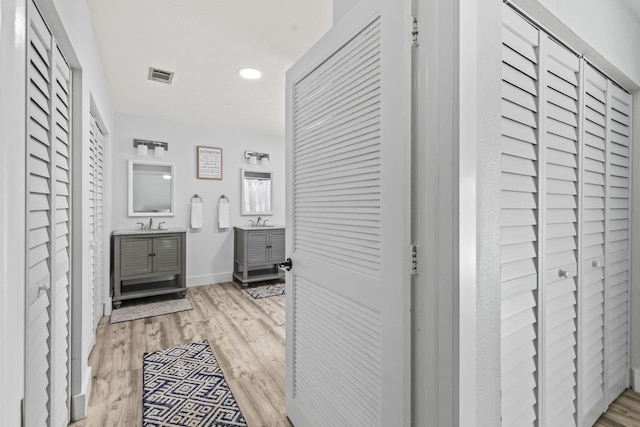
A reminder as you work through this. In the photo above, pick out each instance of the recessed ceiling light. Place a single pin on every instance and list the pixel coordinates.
(250, 73)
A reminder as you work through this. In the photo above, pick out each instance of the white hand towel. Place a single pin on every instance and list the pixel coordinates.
(223, 213)
(196, 214)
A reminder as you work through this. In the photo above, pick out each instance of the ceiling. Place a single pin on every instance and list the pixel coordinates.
(205, 42)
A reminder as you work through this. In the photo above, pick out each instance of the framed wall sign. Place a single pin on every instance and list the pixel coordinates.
(209, 162)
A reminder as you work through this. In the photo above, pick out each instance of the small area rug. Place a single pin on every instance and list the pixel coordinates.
(266, 290)
(184, 386)
(149, 307)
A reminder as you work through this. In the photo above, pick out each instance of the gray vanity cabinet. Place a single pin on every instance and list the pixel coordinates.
(258, 251)
(148, 264)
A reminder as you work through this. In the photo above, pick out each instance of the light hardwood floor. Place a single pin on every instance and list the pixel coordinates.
(623, 412)
(247, 338)
(245, 334)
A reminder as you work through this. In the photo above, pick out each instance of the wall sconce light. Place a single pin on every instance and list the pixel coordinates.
(254, 156)
(143, 146)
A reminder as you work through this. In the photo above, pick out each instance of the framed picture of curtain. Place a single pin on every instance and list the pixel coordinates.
(209, 162)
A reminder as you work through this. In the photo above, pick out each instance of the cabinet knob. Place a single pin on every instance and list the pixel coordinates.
(596, 264)
(563, 273)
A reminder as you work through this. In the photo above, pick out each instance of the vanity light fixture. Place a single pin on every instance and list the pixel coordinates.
(250, 73)
(254, 156)
(143, 146)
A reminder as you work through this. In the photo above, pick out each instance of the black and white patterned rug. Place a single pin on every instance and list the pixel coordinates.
(184, 386)
(267, 290)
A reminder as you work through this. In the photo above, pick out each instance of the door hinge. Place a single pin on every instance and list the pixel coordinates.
(414, 259)
(415, 32)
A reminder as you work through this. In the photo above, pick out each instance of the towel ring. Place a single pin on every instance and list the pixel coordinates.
(223, 197)
(195, 196)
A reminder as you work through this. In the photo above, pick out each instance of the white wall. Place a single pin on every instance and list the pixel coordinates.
(209, 250)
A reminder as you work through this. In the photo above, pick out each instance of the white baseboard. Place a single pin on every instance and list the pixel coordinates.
(79, 402)
(209, 279)
(108, 307)
(635, 379)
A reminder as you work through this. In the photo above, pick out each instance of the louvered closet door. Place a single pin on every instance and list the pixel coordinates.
(617, 242)
(559, 232)
(61, 285)
(593, 244)
(96, 186)
(348, 201)
(40, 221)
(519, 219)
(565, 233)
(48, 275)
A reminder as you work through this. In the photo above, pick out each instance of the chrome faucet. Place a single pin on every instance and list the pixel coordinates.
(150, 223)
(258, 221)
(160, 225)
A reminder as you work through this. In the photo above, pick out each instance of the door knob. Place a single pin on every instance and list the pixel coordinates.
(286, 265)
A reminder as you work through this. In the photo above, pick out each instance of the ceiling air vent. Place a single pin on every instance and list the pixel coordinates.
(158, 75)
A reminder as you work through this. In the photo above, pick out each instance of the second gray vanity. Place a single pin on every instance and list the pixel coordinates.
(257, 253)
(148, 262)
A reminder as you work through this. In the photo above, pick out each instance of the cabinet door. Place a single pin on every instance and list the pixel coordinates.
(134, 256)
(276, 245)
(257, 242)
(167, 254)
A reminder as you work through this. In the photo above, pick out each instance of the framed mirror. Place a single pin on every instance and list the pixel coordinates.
(256, 192)
(151, 188)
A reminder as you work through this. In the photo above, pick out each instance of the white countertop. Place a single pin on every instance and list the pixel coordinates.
(259, 227)
(135, 231)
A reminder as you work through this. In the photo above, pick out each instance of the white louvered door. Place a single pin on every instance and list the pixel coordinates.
(559, 150)
(565, 233)
(348, 202)
(39, 221)
(617, 241)
(519, 219)
(593, 244)
(96, 186)
(48, 224)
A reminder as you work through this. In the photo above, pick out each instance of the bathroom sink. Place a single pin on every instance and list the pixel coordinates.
(137, 231)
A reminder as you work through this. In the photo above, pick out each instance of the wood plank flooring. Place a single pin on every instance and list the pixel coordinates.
(247, 338)
(245, 334)
(623, 412)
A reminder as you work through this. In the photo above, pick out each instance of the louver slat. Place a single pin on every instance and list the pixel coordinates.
(617, 256)
(519, 221)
